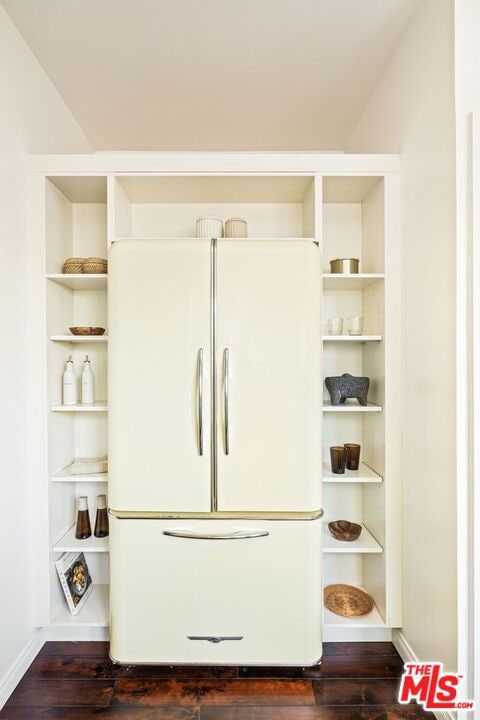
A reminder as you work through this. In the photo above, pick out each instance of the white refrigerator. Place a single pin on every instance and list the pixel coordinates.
(215, 476)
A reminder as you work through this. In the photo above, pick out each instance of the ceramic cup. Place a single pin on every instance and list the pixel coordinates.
(355, 325)
(335, 326)
(209, 227)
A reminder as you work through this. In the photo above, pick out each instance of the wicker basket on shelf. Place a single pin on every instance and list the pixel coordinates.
(73, 266)
(347, 600)
(95, 265)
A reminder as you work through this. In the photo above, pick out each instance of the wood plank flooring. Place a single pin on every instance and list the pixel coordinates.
(77, 681)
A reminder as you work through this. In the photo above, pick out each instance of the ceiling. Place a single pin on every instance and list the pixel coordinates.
(214, 74)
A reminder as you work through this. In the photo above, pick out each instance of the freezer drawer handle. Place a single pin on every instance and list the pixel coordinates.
(225, 400)
(200, 400)
(215, 638)
(236, 535)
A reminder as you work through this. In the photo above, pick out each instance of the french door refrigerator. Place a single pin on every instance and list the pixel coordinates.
(215, 400)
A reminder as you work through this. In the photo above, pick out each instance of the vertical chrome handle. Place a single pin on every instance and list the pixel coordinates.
(200, 400)
(226, 438)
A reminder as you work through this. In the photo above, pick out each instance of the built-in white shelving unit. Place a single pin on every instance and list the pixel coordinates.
(366, 543)
(364, 474)
(98, 406)
(352, 338)
(80, 281)
(346, 204)
(351, 406)
(95, 613)
(359, 281)
(69, 543)
(66, 476)
(84, 339)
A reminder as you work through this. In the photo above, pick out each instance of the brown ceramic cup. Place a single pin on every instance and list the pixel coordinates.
(338, 457)
(353, 455)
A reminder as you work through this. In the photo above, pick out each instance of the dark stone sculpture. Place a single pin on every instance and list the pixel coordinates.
(347, 386)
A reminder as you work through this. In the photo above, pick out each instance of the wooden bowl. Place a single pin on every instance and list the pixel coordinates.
(344, 530)
(347, 600)
(87, 330)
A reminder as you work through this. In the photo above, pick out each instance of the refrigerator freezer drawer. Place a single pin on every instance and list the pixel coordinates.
(216, 591)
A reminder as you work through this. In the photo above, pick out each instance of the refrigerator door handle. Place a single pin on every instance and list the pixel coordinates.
(235, 535)
(200, 400)
(225, 401)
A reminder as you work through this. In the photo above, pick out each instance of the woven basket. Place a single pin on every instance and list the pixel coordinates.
(85, 330)
(347, 600)
(344, 530)
(73, 265)
(95, 265)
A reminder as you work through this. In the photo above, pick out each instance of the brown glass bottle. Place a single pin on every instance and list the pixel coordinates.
(83, 529)
(101, 521)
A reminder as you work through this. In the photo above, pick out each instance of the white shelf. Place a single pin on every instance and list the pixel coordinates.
(95, 612)
(352, 338)
(65, 476)
(364, 474)
(80, 281)
(372, 620)
(350, 282)
(69, 543)
(351, 406)
(366, 543)
(192, 237)
(99, 406)
(79, 338)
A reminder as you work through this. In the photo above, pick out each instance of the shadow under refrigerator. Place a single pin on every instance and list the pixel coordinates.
(215, 473)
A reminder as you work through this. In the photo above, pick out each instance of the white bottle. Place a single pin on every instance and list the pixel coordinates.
(87, 382)
(69, 384)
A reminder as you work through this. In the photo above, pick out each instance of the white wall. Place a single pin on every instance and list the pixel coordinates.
(412, 112)
(33, 118)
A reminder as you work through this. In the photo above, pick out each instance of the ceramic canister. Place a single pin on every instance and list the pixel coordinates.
(235, 228)
(209, 227)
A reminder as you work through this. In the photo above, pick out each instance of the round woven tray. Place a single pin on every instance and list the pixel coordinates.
(73, 265)
(347, 600)
(344, 530)
(95, 265)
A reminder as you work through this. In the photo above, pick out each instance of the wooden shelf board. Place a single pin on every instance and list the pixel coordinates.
(350, 282)
(69, 543)
(99, 406)
(364, 474)
(351, 406)
(352, 338)
(65, 476)
(366, 543)
(95, 612)
(79, 338)
(372, 620)
(80, 281)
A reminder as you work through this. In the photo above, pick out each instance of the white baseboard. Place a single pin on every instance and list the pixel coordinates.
(19, 667)
(408, 654)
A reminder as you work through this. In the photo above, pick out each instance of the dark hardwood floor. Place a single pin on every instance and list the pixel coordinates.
(356, 681)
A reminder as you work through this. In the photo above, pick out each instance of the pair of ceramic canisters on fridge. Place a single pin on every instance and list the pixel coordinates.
(213, 227)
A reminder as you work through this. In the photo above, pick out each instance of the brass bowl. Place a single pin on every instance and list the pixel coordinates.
(345, 530)
(83, 330)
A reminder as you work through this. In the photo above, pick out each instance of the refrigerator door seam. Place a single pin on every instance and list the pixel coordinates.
(213, 381)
